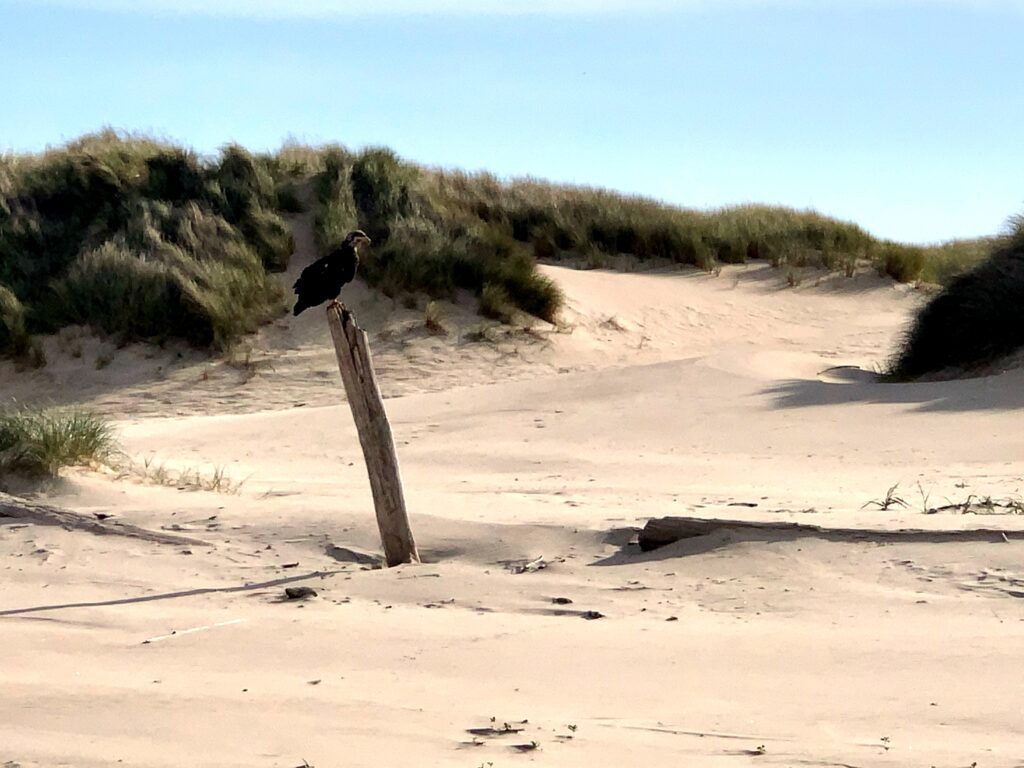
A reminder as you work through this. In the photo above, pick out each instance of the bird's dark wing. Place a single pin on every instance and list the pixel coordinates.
(322, 280)
(316, 284)
(347, 268)
(312, 276)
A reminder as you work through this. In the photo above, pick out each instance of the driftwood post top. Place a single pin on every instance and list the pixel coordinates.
(343, 313)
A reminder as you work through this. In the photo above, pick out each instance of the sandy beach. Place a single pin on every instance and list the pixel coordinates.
(724, 395)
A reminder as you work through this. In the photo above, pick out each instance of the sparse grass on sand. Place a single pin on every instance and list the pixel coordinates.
(38, 443)
(976, 319)
(149, 470)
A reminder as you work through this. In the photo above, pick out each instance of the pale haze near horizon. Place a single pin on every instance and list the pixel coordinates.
(902, 117)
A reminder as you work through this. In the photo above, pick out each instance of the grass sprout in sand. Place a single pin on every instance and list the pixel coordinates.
(188, 479)
(39, 443)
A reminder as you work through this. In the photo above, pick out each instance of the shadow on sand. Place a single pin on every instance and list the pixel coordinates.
(172, 595)
(845, 386)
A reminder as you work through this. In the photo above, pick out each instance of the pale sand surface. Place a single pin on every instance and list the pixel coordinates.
(660, 394)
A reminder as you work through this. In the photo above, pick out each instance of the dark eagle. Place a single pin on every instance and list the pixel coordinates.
(322, 280)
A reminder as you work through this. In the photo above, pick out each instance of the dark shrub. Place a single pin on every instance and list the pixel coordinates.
(287, 197)
(175, 176)
(976, 319)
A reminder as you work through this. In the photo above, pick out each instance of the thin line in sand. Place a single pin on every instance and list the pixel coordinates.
(177, 633)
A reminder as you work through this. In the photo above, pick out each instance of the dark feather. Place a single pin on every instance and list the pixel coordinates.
(323, 279)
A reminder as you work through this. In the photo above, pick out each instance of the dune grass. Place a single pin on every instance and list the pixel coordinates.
(38, 443)
(976, 319)
(141, 239)
(419, 244)
(145, 240)
(336, 213)
(14, 336)
(440, 231)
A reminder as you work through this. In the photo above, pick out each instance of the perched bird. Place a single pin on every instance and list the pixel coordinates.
(322, 280)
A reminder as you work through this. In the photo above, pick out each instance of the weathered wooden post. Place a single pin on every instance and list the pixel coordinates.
(364, 399)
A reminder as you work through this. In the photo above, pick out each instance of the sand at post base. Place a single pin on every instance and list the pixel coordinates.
(672, 394)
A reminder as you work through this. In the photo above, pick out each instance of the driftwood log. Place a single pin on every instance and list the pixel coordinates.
(660, 531)
(356, 367)
(15, 508)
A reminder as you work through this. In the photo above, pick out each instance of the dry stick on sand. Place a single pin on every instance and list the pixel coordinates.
(13, 507)
(661, 531)
(364, 399)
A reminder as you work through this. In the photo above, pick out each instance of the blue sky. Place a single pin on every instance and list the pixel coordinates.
(905, 117)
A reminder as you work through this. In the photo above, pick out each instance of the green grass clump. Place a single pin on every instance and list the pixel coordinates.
(938, 264)
(945, 261)
(336, 213)
(141, 239)
(38, 443)
(247, 195)
(382, 189)
(13, 335)
(417, 256)
(269, 236)
(421, 255)
(297, 161)
(438, 232)
(903, 263)
(495, 303)
(163, 293)
(420, 245)
(976, 319)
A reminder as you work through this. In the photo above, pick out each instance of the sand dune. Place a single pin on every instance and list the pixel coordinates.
(660, 394)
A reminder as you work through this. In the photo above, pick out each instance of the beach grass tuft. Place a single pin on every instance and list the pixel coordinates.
(39, 442)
